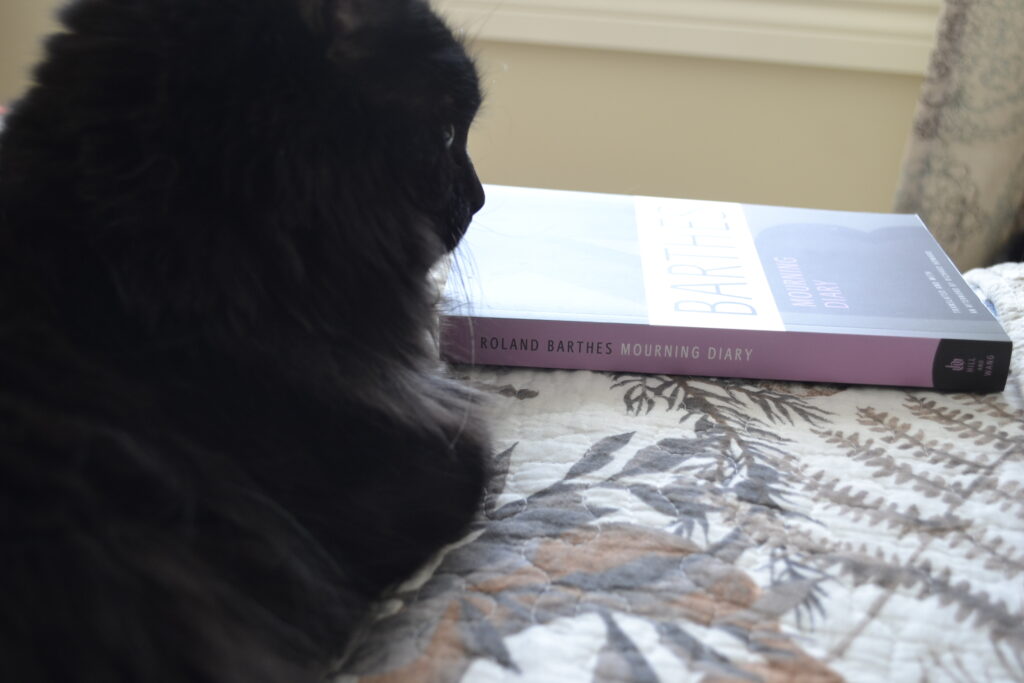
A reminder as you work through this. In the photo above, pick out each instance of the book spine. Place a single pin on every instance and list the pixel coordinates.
(794, 356)
(971, 366)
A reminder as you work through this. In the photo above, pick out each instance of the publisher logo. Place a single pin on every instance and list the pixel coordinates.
(965, 365)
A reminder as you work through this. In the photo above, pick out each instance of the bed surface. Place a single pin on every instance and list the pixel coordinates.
(656, 528)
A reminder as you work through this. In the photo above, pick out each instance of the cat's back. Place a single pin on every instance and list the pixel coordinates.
(222, 433)
(137, 549)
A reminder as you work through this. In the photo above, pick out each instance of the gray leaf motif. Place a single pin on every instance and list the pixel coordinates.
(599, 455)
(499, 473)
(699, 656)
(690, 508)
(704, 424)
(482, 639)
(496, 486)
(620, 659)
(758, 488)
(661, 457)
(654, 498)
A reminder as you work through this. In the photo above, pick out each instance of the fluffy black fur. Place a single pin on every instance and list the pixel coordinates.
(222, 433)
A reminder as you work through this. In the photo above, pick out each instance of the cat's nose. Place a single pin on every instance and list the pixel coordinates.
(476, 196)
(479, 197)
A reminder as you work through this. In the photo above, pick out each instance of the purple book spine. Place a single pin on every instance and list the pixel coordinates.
(795, 356)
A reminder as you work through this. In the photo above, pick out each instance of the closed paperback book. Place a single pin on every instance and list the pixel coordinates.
(576, 280)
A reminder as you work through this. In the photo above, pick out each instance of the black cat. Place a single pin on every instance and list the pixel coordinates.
(222, 429)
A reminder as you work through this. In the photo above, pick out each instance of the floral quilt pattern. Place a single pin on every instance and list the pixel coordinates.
(662, 528)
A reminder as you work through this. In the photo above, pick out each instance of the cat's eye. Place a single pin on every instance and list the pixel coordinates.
(449, 135)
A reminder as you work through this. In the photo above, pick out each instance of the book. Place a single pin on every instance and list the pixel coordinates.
(578, 280)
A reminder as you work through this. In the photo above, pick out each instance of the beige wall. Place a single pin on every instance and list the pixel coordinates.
(623, 122)
(706, 129)
(23, 24)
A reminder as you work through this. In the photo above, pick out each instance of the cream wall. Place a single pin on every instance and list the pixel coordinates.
(23, 24)
(624, 122)
(676, 126)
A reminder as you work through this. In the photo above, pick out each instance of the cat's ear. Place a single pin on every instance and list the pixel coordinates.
(350, 15)
(313, 13)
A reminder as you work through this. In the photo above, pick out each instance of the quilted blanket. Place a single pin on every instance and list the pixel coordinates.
(660, 528)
